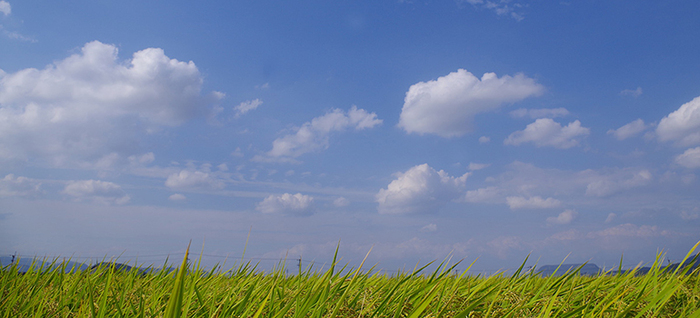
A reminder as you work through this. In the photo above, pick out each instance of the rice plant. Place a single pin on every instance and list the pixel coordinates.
(52, 290)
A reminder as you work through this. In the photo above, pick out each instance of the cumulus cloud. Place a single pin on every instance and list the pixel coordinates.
(611, 217)
(536, 202)
(421, 189)
(296, 204)
(690, 158)
(91, 104)
(539, 113)
(97, 191)
(432, 227)
(632, 92)
(446, 107)
(501, 8)
(5, 8)
(601, 186)
(563, 218)
(142, 159)
(500, 246)
(341, 202)
(237, 153)
(683, 125)
(628, 130)
(314, 135)
(484, 140)
(629, 230)
(524, 181)
(685, 215)
(246, 106)
(11, 186)
(188, 179)
(545, 132)
(569, 235)
(177, 197)
(487, 194)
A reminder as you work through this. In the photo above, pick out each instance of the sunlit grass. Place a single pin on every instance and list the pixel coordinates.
(243, 291)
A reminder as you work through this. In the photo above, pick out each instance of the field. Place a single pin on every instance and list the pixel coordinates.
(342, 292)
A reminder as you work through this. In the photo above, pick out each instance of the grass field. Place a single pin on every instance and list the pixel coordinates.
(342, 292)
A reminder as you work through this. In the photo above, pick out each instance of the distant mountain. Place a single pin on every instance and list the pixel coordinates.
(120, 267)
(23, 264)
(692, 263)
(592, 269)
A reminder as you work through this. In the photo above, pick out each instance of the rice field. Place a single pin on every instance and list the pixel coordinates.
(244, 291)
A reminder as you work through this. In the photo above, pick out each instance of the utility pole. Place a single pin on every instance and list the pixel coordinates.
(299, 259)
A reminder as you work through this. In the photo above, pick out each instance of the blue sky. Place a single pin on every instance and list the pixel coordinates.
(490, 129)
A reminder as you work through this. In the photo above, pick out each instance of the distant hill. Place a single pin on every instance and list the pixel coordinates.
(693, 263)
(593, 269)
(120, 267)
(23, 264)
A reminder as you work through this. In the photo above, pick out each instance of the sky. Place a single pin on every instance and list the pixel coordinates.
(483, 130)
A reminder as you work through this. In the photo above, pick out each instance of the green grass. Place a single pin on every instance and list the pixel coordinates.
(342, 292)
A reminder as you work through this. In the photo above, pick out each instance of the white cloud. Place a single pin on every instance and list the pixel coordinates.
(314, 135)
(432, 227)
(91, 104)
(187, 179)
(568, 235)
(690, 158)
(246, 106)
(629, 130)
(601, 186)
(487, 194)
(611, 217)
(297, 204)
(532, 203)
(629, 230)
(177, 197)
(143, 159)
(446, 107)
(477, 166)
(16, 36)
(500, 246)
(575, 188)
(682, 125)
(500, 7)
(11, 186)
(97, 191)
(421, 189)
(383, 250)
(563, 218)
(237, 153)
(540, 113)
(5, 7)
(546, 132)
(341, 202)
(632, 92)
(685, 215)
(484, 140)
